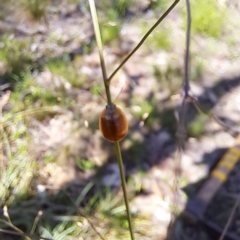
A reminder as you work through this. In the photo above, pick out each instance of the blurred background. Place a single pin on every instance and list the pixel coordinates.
(57, 172)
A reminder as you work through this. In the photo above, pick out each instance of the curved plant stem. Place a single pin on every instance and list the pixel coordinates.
(100, 49)
(17, 230)
(120, 164)
(143, 40)
(85, 216)
(10, 224)
(181, 127)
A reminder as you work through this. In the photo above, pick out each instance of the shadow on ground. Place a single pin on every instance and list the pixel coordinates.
(207, 221)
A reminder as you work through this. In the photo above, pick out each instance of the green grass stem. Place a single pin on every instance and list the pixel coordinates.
(120, 164)
(100, 48)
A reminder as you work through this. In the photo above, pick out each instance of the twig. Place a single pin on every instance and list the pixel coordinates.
(19, 232)
(37, 218)
(78, 210)
(11, 232)
(81, 213)
(201, 110)
(22, 234)
(143, 40)
(10, 224)
(230, 219)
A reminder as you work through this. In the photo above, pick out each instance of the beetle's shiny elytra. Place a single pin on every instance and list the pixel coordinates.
(113, 123)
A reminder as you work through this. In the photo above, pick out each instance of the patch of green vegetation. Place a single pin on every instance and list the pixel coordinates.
(197, 68)
(171, 78)
(88, 47)
(144, 107)
(40, 96)
(15, 186)
(110, 26)
(55, 38)
(37, 8)
(64, 68)
(157, 115)
(63, 230)
(158, 5)
(136, 150)
(135, 182)
(196, 128)
(135, 154)
(111, 212)
(28, 94)
(16, 56)
(159, 39)
(4, 10)
(121, 6)
(165, 119)
(105, 210)
(207, 17)
(84, 165)
(49, 159)
(98, 89)
(77, 2)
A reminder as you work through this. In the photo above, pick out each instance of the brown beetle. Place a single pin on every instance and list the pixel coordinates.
(113, 123)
